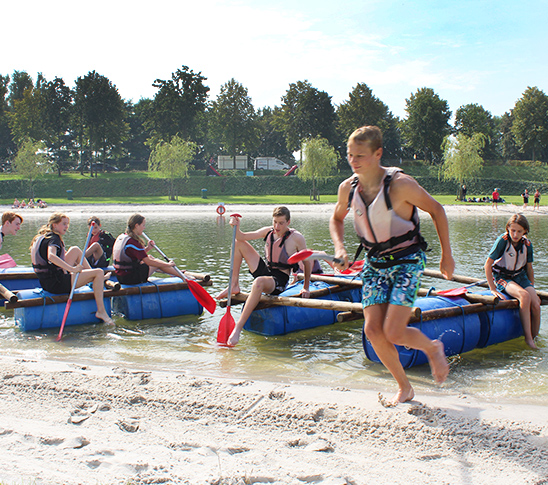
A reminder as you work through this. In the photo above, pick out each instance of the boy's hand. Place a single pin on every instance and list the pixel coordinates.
(447, 266)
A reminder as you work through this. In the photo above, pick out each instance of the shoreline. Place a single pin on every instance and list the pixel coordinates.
(69, 423)
(199, 209)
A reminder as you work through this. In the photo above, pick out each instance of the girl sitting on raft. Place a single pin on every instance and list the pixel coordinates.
(56, 268)
(509, 268)
(132, 263)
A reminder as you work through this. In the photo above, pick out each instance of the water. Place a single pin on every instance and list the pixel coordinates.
(330, 355)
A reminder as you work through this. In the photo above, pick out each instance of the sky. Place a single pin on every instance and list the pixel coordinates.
(468, 51)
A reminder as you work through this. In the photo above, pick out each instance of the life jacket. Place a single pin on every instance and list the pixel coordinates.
(382, 232)
(39, 255)
(106, 241)
(276, 254)
(121, 261)
(514, 259)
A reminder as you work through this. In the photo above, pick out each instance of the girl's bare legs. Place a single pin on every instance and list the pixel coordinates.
(97, 276)
(527, 309)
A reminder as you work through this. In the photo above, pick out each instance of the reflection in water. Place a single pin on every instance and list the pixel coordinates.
(327, 355)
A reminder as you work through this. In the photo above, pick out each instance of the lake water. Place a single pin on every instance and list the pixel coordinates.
(330, 356)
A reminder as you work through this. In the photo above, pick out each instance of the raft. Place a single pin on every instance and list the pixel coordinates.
(459, 334)
(157, 304)
(18, 278)
(279, 320)
(50, 314)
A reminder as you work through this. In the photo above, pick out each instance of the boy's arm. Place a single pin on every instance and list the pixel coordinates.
(248, 236)
(411, 192)
(300, 244)
(336, 224)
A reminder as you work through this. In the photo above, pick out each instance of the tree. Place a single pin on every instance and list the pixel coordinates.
(363, 108)
(31, 162)
(171, 160)
(57, 100)
(100, 113)
(271, 140)
(461, 159)
(305, 113)
(26, 118)
(177, 105)
(20, 82)
(319, 161)
(7, 144)
(506, 145)
(234, 119)
(427, 123)
(530, 126)
(473, 118)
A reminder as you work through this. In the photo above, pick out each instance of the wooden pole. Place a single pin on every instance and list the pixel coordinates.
(438, 313)
(130, 290)
(469, 280)
(198, 276)
(7, 294)
(340, 306)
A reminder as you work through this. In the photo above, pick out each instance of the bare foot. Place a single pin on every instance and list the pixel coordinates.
(105, 318)
(531, 343)
(403, 395)
(224, 293)
(438, 362)
(107, 276)
(234, 338)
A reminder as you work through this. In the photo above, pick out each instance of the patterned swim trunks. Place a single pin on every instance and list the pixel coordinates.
(521, 279)
(397, 285)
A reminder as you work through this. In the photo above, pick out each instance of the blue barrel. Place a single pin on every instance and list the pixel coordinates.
(458, 334)
(499, 326)
(28, 280)
(51, 316)
(158, 304)
(279, 320)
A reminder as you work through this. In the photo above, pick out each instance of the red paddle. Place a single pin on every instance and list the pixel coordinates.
(227, 324)
(309, 254)
(69, 301)
(459, 291)
(6, 261)
(201, 295)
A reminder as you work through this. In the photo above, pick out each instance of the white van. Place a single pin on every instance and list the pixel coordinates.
(270, 163)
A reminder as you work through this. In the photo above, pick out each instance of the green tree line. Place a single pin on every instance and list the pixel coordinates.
(89, 127)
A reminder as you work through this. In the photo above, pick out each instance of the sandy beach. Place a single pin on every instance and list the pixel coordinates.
(76, 423)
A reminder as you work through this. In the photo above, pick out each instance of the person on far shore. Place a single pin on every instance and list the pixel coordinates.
(270, 277)
(130, 257)
(496, 199)
(525, 196)
(536, 205)
(99, 250)
(385, 203)
(509, 268)
(56, 268)
(11, 223)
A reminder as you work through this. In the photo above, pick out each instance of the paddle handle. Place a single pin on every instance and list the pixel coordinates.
(69, 302)
(179, 272)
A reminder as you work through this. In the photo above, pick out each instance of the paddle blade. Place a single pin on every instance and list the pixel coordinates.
(300, 256)
(203, 297)
(226, 325)
(6, 261)
(355, 268)
(453, 292)
(65, 315)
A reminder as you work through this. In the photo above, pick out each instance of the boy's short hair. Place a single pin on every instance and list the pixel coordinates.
(368, 134)
(10, 217)
(282, 211)
(94, 219)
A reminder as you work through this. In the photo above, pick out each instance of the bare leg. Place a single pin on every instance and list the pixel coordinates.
(242, 250)
(95, 251)
(525, 310)
(399, 333)
(386, 351)
(263, 284)
(96, 276)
